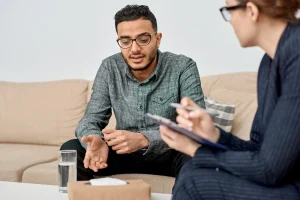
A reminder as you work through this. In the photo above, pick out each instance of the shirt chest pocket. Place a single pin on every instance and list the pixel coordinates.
(160, 104)
(162, 98)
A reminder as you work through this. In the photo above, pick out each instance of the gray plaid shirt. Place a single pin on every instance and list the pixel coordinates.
(174, 77)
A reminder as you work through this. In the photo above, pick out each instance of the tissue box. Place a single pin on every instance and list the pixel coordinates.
(134, 190)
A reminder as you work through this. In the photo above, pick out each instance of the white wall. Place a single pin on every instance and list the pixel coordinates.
(60, 39)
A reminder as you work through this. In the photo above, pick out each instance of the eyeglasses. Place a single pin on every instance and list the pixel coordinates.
(225, 11)
(141, 40)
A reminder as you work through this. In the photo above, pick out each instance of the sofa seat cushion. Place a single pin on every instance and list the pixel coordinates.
(47, 173)
(15, 158)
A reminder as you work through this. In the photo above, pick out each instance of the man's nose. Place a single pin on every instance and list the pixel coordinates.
(135, 47)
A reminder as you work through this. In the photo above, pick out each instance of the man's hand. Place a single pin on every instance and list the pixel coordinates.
(125, 142)
(96, 152)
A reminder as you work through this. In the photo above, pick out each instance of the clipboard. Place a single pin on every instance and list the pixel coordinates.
(173, 126)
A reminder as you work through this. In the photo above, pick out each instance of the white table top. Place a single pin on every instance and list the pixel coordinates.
(27, 191)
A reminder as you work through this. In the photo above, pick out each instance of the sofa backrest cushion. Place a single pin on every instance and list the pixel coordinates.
(41, 113)
(238, 89)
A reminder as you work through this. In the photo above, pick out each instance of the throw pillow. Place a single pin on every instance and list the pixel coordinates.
(226, 113)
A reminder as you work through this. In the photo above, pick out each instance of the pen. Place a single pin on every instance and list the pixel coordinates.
(190, 108)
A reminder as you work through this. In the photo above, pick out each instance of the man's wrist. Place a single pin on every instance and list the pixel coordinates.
(144, 141)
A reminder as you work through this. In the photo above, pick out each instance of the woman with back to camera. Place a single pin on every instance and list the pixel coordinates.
(268, 165)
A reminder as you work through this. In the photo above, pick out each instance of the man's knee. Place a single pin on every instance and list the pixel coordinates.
(73, 144)
(179, 162)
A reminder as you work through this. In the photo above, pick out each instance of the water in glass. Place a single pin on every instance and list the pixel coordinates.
(67, 169)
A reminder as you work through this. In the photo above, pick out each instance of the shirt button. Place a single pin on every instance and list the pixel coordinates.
(217, 169)
(161, 99)
(141, 107)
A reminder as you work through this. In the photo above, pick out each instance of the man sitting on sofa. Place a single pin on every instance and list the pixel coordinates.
(139, 80)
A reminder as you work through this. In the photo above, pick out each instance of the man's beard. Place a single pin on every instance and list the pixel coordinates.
(151, 59)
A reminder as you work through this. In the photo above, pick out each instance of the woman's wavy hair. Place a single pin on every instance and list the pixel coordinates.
(288, 10)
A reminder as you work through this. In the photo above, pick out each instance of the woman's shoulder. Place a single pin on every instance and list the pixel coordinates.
(288, 58)
(291, 40)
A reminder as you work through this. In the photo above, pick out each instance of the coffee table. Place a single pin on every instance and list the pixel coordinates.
(17, 191)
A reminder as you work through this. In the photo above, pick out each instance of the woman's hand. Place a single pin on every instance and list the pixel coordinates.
(197, 121)
(178, 141)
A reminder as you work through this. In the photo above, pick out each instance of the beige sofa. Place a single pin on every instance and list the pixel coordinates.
(36, 118)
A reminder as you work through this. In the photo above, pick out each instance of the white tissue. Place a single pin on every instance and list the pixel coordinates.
(107, 181)
(297, 15)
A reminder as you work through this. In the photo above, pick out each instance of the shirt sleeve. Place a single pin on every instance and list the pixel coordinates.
(156, 144)
(234, 143)
(98, 111)
(190, 84)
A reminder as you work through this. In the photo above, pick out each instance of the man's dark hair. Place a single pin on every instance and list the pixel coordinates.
(134, 12)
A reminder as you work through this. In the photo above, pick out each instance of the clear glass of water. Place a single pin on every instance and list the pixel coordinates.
(67, 168)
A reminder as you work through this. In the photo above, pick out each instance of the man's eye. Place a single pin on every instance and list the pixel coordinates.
(125, 42)
(143, 39)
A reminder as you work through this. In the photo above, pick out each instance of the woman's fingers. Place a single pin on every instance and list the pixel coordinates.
(192, 119)
(182, 112)
(188, 102)
(168, 132)
(183, 122)
(167, 136)
(197, 115)
(168, 140)
(179, 142)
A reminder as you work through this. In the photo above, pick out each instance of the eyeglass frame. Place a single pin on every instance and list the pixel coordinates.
(230, 8)
(132, 40)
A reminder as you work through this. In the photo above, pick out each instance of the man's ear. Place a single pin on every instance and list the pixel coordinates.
(158, 39)
(252, 11)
